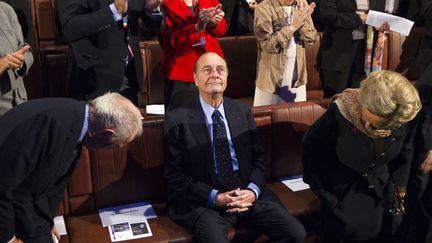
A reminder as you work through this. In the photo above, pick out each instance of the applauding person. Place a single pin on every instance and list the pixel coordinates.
(191, 28)
(15, 60)
(282, 28)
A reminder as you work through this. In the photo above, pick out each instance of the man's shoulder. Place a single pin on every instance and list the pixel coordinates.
(182, 111)
(63, 108)
(230, 103)
(6, 8)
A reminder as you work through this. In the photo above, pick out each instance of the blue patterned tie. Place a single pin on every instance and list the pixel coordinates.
(227, 178)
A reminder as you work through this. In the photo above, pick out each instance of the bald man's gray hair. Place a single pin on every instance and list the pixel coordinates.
(113, 111)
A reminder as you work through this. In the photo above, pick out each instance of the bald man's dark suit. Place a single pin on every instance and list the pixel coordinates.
(190, 172)
(38, 150)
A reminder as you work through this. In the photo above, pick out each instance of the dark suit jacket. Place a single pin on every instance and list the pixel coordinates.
(189, 158)
(418, 199)
(97, 44)
(38, 150)
(339, 19)
(424, 56)
(239, 16)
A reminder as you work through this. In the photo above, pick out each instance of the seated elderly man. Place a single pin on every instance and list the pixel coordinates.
(40, 144)
(215, 165)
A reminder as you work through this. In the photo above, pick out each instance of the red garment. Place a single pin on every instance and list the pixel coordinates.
(180, 34)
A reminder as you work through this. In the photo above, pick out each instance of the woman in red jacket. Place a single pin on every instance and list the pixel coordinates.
(191, 28)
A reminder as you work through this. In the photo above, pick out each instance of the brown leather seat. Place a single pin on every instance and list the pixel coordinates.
(134, 173)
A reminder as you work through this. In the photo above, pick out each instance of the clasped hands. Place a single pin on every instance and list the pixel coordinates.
(235, 201)
(212, 15)
(13, 61)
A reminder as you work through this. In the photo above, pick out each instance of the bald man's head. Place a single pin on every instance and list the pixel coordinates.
(211, 73)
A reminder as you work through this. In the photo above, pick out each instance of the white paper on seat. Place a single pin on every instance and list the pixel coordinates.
(60, 225)
(135, 227)
(295, 183)
(397, 24)
(121, 214)
(155, 109)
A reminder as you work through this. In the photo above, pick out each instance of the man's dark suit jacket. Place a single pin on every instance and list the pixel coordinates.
(424, 56)
(38, 150)
(417, 222)
(98, 45)
(339, 19)
(190, 172)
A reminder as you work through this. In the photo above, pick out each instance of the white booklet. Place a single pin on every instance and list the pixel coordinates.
(125, 213)
(155, 109)
(60, 225)
(397, 24)
(295, 183)
(133, 229)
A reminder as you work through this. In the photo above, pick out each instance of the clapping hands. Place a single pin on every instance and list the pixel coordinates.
(213, 15)
(299, 18)
(13, 60)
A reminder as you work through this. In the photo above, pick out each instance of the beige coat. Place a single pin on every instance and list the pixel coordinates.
(273, 37)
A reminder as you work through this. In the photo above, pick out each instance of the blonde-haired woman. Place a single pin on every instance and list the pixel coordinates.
(357, 156)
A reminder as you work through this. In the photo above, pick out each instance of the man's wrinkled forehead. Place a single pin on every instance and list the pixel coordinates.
(210, 60)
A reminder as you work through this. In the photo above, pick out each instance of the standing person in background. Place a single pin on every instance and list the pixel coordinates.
(104, 40)
(15, 60)
(191, 28)
(239, 15)
(282, 29)
(424, 55)
(341, 57)
(417, 222)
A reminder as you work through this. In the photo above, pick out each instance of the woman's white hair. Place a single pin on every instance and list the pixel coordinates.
(113, 111)
(389, 95)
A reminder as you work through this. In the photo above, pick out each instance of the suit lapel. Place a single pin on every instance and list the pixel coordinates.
(236, 126)
(198, 127)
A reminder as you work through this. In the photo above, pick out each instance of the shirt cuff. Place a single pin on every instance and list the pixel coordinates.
(212, 198)
(11, 240)
(252, 186)
(154, 13)
(116, 15)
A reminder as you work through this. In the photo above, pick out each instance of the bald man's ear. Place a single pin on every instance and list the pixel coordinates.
(195, 79)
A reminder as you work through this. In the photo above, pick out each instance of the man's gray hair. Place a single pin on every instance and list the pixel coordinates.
(113, 111)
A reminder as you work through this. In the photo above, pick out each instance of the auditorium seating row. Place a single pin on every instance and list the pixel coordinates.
(240, 53)
(134, 173)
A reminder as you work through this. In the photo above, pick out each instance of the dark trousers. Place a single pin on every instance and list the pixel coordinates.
(42, 233)
(178, 93)
(335, 82)
(417, 222)
(263, 217)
